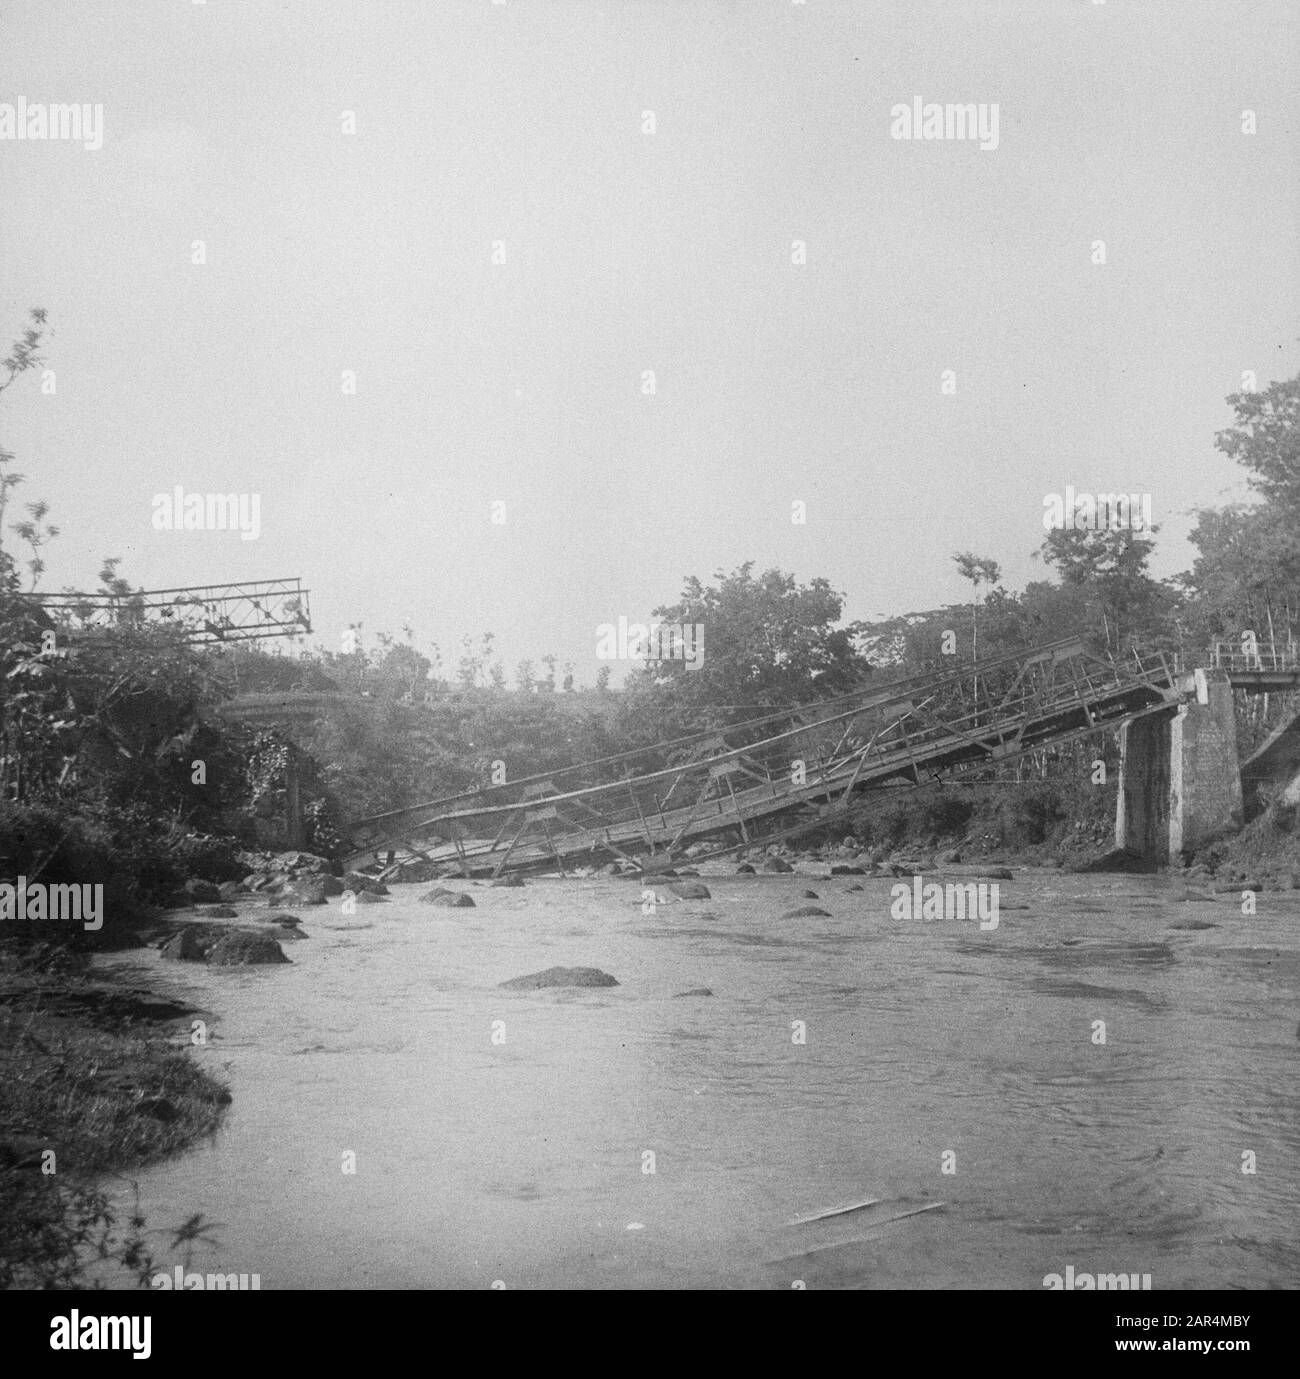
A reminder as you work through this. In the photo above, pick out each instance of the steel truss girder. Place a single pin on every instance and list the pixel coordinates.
(912, 730)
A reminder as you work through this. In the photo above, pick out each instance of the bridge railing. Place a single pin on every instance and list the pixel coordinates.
(1263, 656)
(202, 612)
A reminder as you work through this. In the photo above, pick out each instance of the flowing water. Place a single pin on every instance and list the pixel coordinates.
(508, 1137)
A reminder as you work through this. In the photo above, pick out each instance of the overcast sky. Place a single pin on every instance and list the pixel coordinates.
(625, 251)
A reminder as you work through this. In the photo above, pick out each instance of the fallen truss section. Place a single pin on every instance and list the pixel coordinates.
(788, 770)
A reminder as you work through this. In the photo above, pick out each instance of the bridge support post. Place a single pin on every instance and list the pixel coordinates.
(1180, 781)
(1142, 806)
(1205, 773)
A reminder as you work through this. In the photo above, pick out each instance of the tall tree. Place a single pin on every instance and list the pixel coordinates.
(762, 641)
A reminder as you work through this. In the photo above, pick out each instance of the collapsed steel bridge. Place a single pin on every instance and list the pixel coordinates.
(779, 774)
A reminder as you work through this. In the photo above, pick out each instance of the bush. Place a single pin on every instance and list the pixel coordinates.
(947, 816)
(208, 858)
(136, 858)
(1031, 814)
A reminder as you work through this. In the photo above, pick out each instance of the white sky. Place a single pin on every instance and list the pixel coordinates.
(625, 251)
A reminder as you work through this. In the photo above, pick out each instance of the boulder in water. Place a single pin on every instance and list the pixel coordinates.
(308, 891)
(185, 946)
(511, 882)
(777, 864)
(809, 895)
(451, 900)
(694, 991)
(220, 912)
(846, 869)
(1117, 859)
(239, 949)
(691, 890)
(807, 912)
(202, 892)
(560, 976)
(360, 881)
(744, 869)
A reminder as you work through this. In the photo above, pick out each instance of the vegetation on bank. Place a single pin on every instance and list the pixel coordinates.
(91, 1086)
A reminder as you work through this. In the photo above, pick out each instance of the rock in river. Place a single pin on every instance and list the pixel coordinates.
(360, 881)
(560, 976)
(238, 948)
(184, 946)
(308, 891)
(449, 899)
(690, 890)
(807, 912)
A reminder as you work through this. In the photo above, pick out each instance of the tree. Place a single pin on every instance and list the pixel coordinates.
(24, 355)
(1266, 441)
(1247, 570)
(1110, 566)
(979, 570)
(760, 642)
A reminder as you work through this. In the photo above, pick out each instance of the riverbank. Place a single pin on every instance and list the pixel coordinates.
(94, 1083)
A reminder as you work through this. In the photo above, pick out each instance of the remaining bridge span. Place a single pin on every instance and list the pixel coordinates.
(786, 770)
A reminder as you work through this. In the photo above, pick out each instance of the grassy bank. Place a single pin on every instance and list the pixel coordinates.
(94, 1081)
(1040, 822)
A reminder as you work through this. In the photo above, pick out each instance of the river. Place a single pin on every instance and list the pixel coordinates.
(629, 1137)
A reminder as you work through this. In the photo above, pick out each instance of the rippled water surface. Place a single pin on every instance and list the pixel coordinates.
(524, 1161)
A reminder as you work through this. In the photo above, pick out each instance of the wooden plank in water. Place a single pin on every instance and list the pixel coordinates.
(835, 1211)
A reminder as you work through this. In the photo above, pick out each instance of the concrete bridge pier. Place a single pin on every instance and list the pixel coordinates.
(1180, 781)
